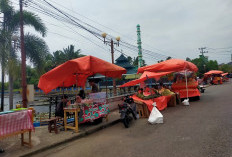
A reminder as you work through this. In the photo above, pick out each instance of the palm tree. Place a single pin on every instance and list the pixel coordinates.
(12, 23)
(58, 57)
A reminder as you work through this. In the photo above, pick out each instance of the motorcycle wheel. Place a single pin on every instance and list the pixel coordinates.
(126, 122)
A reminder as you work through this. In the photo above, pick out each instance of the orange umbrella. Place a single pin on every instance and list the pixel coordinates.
(146, 75)
(174, 65)
(224, 74)
(214, 72)
(77, 71)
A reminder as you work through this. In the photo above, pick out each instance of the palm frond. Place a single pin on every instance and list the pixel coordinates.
(36, 50)
(29, 19)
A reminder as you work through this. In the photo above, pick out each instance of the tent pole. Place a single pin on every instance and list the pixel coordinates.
(186, 81)
(76, 85)
(63, 90)
(106, 90)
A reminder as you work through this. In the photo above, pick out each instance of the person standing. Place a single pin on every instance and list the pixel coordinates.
(94, 86)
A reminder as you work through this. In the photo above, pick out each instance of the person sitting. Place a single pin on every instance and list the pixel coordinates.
(161, 88)
(82, 94)
(140, 91)
(60, 107)
(94, 86)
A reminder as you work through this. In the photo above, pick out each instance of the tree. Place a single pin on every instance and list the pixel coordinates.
(226, 68)
(136, 62)
(59, 57)
(188, 59)
(12, 25)
(129, 58)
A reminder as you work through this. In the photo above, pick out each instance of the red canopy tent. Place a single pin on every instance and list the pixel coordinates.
(173, 65)
(214, 72)
(77, 71)
(146, 75)
(224, 74)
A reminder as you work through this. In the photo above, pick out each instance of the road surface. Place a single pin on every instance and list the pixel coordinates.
(203, 129)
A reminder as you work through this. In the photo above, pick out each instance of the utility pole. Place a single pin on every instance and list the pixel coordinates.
(23, 57)
(202, 51)
(202, 54)
(111, 43)
(112, 57)
(140, 60)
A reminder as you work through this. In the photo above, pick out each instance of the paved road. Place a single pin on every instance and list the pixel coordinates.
(202, 129)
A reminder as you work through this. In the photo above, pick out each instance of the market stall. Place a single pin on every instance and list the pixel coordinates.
(149, 96)
(224, 77)
(215, 76)
(175, 65)
(76, 72)
(180, 87)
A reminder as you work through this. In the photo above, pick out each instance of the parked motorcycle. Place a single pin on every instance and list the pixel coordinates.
(126, 109)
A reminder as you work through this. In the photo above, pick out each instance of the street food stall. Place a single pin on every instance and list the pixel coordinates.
(224, 77)
(215, 76)
(149, 96)
(179, 86)
(171, 66)
(76, 72)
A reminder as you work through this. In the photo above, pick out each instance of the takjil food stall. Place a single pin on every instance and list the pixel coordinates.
(76, 72)
(215, 76)
(185, 89)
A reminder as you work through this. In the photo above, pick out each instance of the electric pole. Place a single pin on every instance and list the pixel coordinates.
(111, 43)
(112, 57)
(202, 51)
(140, 60)
(202, 54)
(23, 57)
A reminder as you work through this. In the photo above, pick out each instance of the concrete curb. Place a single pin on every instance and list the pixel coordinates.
(88, 132)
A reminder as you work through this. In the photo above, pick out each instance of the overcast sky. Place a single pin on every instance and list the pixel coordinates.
(174, 28)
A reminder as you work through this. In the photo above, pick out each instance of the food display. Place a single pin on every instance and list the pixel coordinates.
(141, 96)
(167, 92)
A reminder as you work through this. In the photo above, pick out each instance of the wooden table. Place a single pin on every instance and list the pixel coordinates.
(71, 110)
(17, 123)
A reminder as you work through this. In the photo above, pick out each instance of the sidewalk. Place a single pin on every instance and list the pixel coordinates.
(43, 140)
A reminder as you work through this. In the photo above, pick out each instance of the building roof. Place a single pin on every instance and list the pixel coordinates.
(123, 62)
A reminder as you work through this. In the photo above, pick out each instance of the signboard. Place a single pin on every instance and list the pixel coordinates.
(98, 97)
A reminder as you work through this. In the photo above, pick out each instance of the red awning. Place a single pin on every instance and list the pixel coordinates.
(146, 75)
(214, 72)
(173, 65)
(77, 71)
(224, 74)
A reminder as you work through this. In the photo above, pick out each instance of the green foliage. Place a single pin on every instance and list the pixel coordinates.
(36, 50)
(136, 61)
(59, 57)
(203, 65)
(6, 85)
(32, 76)
(30, 19)
(226, 68)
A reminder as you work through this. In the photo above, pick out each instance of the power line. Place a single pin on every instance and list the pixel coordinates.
(66, 18)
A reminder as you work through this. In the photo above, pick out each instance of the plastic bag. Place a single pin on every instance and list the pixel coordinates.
(155, 116)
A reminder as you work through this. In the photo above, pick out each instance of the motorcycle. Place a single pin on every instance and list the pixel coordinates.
(126, 109)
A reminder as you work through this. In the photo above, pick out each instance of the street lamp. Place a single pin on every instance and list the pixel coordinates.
(111, 43)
